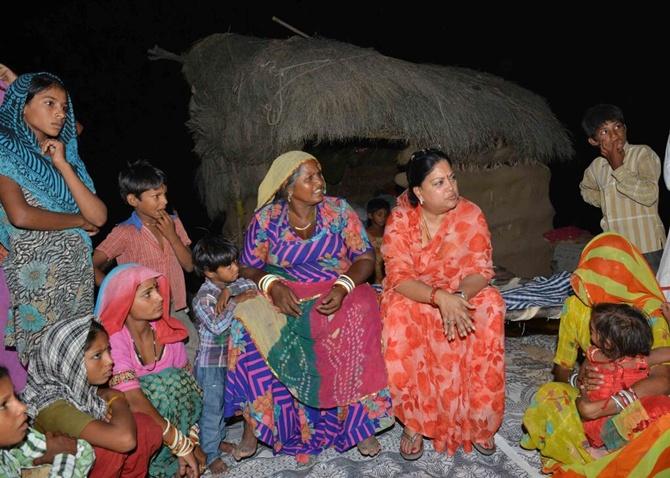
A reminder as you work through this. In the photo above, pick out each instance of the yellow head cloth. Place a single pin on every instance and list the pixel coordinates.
(280, 170)
(611, 269)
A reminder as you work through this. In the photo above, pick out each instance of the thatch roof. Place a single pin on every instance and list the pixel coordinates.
(254, 99)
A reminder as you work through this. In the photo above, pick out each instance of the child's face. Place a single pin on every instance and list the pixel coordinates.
(148, 303)
(379, 217)
(45, 113)
(98, 360)
(609, 135)
(151, 202)
(13, 418)
(226, 274)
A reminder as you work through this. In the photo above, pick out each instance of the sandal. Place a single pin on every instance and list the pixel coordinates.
(412, 439)
(486, 451)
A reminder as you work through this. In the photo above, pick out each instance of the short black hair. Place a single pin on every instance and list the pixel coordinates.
(623, 329)
(597, 115)
(211, 252)
(375, 204)
(420, 164)
(96, 328)
(3, 372)
(140, 176)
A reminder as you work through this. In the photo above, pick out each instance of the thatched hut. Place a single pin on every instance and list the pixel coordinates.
(359, 111)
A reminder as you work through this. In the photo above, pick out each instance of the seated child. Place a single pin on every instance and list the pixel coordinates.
(150, 364)
(378, 212)
(67, 393)
(621, 352)
(215, 259)
(23, 447)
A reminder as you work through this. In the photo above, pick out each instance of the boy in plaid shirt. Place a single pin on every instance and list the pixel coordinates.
(215, 259)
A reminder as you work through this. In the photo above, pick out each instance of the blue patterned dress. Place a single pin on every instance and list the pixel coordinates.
(49, 273)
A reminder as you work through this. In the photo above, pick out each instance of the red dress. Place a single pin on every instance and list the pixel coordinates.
(618, 374)
(452, 392)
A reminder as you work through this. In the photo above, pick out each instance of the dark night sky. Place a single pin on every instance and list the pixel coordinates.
(132, 107)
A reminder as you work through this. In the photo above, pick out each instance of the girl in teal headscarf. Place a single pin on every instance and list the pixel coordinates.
(48, 208)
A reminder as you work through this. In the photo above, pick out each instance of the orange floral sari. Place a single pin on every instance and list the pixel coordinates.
(452, 392)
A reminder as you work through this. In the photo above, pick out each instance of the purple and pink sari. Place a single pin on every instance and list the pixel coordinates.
(310, 382)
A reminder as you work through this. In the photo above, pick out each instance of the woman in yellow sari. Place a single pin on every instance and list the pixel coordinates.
(610, 270)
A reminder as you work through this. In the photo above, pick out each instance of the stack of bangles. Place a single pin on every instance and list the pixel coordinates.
(346, 282)
(623, 398)
(265, 283)
(181, 445)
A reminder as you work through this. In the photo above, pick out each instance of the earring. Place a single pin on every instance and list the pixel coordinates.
(421, 201)
(290, 195)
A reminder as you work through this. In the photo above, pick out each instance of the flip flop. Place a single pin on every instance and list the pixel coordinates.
(483, 450)
(412, 439)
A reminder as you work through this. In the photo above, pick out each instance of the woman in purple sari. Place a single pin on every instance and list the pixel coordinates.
(306, 370)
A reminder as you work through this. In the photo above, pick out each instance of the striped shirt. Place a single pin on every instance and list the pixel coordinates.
(132, 241)
(628, 196)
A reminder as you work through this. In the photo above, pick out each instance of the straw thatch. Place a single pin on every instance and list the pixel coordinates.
(254, 99)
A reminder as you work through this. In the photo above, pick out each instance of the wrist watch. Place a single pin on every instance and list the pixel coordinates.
(461, 293)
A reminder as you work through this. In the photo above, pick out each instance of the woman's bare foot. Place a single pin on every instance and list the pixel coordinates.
(369, 447)
(248, 444)
(217, 467)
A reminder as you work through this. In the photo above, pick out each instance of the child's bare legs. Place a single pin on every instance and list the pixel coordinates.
(248, 444)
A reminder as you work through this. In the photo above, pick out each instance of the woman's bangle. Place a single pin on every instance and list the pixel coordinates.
(573, 378)
(266, 281)
(167, 427)
(617, 402)
(194, 434)
(433, 292)
(346, 282)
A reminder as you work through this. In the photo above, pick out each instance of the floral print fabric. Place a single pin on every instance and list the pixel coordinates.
(452, 392)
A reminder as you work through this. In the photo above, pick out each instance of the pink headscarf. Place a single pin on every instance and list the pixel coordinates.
(117, 294)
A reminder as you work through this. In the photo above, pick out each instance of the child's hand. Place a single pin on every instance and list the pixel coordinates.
(6, 74)
(246, 295)
(613, 152)
(588, 410)
(91, 229)
(223, 299)
(165, 225)
(57, 443)
(55, 150)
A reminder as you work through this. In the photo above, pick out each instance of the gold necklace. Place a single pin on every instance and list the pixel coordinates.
(303, 228)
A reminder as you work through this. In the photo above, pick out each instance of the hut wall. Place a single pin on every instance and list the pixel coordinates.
(515, 200)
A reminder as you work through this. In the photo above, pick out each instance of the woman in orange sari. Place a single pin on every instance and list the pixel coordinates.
(443, 326)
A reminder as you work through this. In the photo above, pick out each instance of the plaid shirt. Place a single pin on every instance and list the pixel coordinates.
(212, 328)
